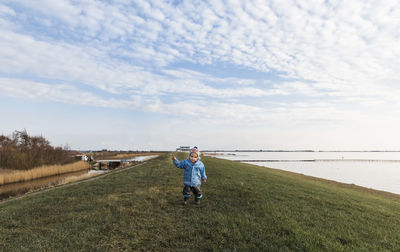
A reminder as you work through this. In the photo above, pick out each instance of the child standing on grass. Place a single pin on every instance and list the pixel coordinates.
(194, 174)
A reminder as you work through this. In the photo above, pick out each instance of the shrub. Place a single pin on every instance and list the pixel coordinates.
(22, 152)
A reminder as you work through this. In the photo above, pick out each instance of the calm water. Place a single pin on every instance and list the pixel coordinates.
(376, 170)
(16, 189)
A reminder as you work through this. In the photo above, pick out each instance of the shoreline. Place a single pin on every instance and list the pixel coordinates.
(18, 176)
(386, 194)
(379, 192)
(71, 179)
(83, 180)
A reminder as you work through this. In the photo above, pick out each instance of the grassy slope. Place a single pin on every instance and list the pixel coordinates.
(244, 207)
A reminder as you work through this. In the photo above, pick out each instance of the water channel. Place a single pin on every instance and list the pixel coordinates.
(17, 189)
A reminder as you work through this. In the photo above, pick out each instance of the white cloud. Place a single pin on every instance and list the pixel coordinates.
(62, 9)
(346, 54)
(4, 11)
(61, 93)
(24, 54)
(299, 42)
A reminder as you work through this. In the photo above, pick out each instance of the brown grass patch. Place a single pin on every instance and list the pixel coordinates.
(41, 172)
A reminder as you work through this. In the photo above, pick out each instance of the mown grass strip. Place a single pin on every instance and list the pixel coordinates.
(245, 207)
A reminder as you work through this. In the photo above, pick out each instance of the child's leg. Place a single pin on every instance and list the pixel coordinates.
(186, 193)
(197, 193)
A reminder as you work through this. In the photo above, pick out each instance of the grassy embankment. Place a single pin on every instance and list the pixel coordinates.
(120, 155)
(245, 207)
(13, 176)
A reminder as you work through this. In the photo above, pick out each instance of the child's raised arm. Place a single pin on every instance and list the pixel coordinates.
(178, 163)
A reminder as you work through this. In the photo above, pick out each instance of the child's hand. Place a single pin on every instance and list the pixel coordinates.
(173, 158)
(204, 181)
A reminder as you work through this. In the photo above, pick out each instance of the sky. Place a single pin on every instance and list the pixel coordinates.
(155, 75)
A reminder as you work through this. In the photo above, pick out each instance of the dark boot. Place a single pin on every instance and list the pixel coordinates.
(197, 201)
(185, 201)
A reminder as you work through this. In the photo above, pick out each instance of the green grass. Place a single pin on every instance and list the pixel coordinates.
(244, 208)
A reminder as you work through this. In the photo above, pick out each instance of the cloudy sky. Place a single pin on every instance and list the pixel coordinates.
(154, 75)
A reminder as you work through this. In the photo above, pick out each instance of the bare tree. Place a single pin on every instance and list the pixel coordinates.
(21, 151)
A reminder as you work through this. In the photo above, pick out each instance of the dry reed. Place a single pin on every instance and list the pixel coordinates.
(41, 172)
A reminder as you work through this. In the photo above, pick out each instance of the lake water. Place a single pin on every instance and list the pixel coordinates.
(376, 170)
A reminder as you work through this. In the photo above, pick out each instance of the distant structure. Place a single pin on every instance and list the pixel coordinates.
(183, 148)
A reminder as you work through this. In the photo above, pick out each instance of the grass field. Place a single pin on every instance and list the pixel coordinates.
(244, 208)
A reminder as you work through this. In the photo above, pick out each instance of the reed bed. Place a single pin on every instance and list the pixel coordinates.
(41, 172)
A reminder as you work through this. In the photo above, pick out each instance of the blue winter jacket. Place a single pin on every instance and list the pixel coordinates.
(193, 173)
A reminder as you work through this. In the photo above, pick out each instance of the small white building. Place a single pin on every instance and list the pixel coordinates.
(183, 148)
